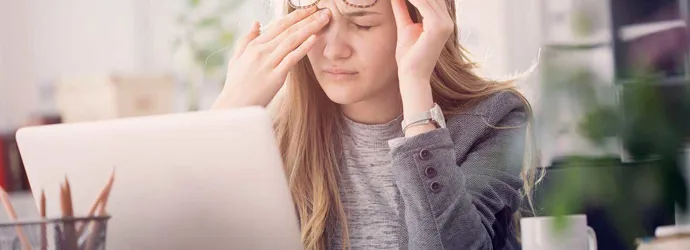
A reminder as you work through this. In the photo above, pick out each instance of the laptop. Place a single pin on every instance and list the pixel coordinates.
(201, 180)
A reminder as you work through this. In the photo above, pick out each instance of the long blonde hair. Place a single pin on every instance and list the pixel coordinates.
(308, 127)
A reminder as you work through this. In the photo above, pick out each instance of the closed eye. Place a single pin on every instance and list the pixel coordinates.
(362, 27)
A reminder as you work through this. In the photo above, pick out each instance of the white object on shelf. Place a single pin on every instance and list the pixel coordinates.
(632, 32)
(674, 244)
(668, 237)
(102, 97)
(667, 231)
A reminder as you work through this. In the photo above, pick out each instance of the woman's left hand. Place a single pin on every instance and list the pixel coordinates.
(419, 44)
(418, 48)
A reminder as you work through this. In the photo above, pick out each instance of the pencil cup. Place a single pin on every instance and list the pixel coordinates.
(81, 233)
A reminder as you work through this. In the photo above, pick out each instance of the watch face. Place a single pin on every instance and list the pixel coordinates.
(437, 116)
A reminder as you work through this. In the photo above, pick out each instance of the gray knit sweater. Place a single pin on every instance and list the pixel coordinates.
(452, 188)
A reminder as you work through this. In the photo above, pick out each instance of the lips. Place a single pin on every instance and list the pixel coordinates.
(339, 71)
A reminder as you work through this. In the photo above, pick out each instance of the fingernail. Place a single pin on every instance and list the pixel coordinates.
(325, 13)
(309, 9)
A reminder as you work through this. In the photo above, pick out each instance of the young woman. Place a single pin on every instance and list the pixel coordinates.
(389, 140)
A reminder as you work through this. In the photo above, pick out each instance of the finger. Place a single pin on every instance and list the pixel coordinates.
(285, 23)
(441, 8)
(242, 44)
(401, 13)
(442, 19)
(445, 23)
(424, 8)
(296, 55)
(296, 35)
(323, 16)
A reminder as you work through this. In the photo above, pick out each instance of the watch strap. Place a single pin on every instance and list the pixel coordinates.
(420, 119)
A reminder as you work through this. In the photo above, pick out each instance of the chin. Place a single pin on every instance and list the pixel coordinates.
(343, 93)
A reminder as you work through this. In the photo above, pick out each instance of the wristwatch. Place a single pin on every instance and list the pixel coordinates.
(434, 116)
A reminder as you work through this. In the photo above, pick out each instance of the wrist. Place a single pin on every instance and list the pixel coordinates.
(419, 129)
(416, 96)
(412, 80)
(227, 100)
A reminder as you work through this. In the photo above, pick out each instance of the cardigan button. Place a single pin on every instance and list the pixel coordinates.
(430, 172)
(424, 154)
(435, 187)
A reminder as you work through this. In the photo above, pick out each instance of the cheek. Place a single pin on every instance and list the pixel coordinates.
(315, 52)
(378, 54)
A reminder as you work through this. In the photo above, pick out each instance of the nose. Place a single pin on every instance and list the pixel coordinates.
(336, 47)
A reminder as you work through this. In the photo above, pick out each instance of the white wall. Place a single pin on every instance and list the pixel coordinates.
(503, 35)
(45, 39)
(16, 93)
(483, 26)
(154, 46)
(82, 35)
(523, 26)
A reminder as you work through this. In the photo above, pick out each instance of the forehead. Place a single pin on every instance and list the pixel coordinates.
(342, 8)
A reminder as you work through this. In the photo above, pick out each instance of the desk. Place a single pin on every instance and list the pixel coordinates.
(24, 205)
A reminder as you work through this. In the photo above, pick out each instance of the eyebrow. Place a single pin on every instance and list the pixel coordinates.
(360, 13)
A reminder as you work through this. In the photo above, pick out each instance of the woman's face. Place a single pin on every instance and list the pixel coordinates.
(354, 56)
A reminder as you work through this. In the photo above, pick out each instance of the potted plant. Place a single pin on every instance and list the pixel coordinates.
(206, 30)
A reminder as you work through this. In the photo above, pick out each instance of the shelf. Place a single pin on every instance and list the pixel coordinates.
(603, 38)
(575, 46)
(673, 81)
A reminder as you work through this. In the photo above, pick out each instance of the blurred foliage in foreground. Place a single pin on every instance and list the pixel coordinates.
(652, 123)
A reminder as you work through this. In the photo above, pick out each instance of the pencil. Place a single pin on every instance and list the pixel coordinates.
(95, 228)
(26, 245)
(44, 229)
(68, 219)
(68, 197)
(105, 192)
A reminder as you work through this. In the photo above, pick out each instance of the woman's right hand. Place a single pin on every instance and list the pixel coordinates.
(261, 62)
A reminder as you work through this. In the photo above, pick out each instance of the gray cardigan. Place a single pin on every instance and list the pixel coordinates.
(469, 200)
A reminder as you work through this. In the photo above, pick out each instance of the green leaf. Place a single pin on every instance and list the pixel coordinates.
(230, 5)
(600, 124)
(210, 60)
(227, 38)
(194, 3)
(653, 124)
(209, 22)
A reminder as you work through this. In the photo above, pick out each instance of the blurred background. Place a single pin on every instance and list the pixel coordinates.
(607, 81)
